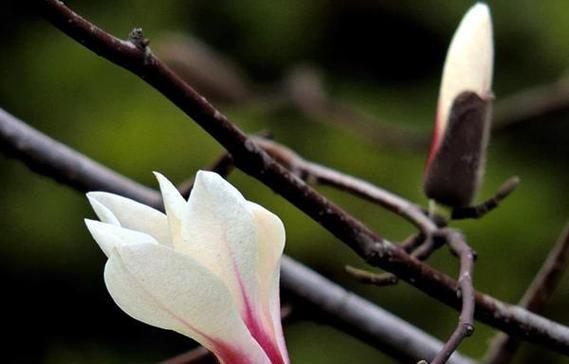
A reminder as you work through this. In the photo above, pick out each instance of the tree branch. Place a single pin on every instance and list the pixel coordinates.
(336, 306)
(417, 246)
(367, 277)
(458, 245)
(342, 307)
(212, 73)
(504, 347)
(305, 90)
(46, 156)
(531, 103)
(317, 174)
(254, 161)
(420, 246)
(478, 211)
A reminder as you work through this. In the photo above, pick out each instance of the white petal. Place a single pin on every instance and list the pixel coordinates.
(163, 288)
(469, 62)
(175, 207)
(103, 213)
(241, 243)
(271, 232)
(118, 210)
(219, 232)
(109, 236)
(271, 242)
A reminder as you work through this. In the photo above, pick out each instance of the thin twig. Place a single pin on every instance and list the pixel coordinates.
(355, 316)
(476, 212)
(367, 277)
(416, 245)
(549, 275)
(531, 103)
(458, 245)
(305, 89)
(46, 156)
(465, 328)
(213, 74)
(342, 304)
(503, 346)
(255, 162)
(307, 93)
(412, 242)
(317, 174)
(314, 173)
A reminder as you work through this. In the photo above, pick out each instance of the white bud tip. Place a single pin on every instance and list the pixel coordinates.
(469, 62)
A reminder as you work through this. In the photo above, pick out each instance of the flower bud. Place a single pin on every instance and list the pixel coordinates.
(456, 160)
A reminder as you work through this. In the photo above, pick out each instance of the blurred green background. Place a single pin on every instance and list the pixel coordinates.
(382, 58)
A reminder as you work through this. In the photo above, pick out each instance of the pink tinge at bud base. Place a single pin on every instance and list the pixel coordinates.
(208, 268)
(457, 156)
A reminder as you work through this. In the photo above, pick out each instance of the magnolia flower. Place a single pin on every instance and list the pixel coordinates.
(208, 268)
(457, 156)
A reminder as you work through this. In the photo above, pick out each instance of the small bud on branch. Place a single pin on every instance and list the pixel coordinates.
(456, 160)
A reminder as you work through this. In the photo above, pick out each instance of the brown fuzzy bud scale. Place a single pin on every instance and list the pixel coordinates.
(456, 166)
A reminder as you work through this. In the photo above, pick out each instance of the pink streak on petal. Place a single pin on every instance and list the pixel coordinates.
(225, 352)
(278, 328)
(436, 141)
(253, 322)
(263, 338)
(229, 354)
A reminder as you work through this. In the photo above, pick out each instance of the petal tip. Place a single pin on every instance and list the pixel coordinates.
(98, 197)
(96, 230)
(480, 8)
(94, 201)
(478, 19)
(207, 177)
(90, 225)
(470, 54)
(166, 186)
(92, 196)
(206, 180)
(469, 62)
(159, 176)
